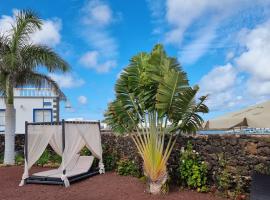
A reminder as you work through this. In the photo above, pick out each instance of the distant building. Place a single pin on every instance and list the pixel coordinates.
(32, 105)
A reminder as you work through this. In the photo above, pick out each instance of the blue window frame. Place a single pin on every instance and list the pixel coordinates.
(2, 120)
(42, 115)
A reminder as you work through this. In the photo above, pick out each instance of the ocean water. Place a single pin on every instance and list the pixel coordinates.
(243, 131)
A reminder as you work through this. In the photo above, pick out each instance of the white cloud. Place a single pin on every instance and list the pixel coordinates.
(248, 82)
(196, 26)
(219, 79)
(194, 50)
(219, 84)
(229, 55)
(67, 80)
(48, 35)
(106, 66)
(258, 87)
(90, 59)
(82, 100)
(6, 23)
(96, 19)
(256, 60)
(97, 13)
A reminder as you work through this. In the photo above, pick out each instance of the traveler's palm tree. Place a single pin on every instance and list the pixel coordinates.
(153, 98)
(20, 61)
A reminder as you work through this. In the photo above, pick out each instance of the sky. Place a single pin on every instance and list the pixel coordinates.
(224, 46)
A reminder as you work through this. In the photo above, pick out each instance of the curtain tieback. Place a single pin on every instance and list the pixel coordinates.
(101, 167)
(65, 179)
(25, 174)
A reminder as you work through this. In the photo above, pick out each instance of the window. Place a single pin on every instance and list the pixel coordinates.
(42, 115)
(2, 120)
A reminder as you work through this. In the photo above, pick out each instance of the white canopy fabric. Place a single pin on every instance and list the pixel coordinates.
(77, 135)
(256, 116)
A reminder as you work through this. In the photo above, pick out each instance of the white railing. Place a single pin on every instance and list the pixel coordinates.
(34, 92)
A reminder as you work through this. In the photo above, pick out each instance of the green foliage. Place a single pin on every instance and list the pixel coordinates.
(19, 159)
(262, 168)
(110, 161)
(85, 152)
(1, 158)
(44, 159)
(110, 157)
(20, 59)
(49, 158)
(192, 171)
(224, 178)
(150, 92)
(154, 83)
(127, 167)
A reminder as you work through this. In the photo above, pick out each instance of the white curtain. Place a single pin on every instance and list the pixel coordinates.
(76, 137)
(38, 139)
(91, 136)
(74, 142)
(56, 140)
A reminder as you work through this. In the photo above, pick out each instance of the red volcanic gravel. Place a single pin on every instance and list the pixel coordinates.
(101, 187)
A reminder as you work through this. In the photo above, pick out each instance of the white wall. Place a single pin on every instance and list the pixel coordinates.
(24, 109)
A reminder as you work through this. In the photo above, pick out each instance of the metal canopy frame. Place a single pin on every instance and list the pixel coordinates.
(52, 180)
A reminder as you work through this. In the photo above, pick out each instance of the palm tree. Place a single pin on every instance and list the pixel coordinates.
(154, 99)
(19, 66)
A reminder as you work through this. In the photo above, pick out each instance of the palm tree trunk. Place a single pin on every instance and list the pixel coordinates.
(10, 123)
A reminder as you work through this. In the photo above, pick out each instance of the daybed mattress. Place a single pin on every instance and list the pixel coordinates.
(83, 165)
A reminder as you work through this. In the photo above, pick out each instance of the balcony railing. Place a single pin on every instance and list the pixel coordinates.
(34, 92)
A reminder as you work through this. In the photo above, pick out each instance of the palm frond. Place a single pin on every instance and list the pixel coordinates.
(27, 22)
(34, 55)
(38, 80)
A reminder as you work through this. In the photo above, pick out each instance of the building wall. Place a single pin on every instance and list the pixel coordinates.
(24, 109)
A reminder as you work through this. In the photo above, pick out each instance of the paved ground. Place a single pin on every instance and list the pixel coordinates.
(101, 187)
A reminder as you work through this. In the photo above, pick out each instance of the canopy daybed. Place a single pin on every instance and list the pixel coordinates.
(66, 138)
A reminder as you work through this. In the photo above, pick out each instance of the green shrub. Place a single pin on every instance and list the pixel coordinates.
(192, 171)
(127, 167)
(110, 161)
(49, 158)
(55, 159)
(44, 159)
(1, 158)
(85, 152)
(19, 159)
(224, 180)
(224, 177)
(262, 168)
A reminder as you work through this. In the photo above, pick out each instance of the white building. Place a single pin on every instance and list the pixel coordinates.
(32, 105)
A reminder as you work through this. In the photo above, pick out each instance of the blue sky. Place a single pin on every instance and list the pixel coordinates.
(224, 46)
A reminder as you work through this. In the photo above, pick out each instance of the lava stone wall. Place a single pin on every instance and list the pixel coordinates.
(19, 143)
(243, 153)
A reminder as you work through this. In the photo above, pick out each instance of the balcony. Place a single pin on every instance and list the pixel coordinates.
(34, 92)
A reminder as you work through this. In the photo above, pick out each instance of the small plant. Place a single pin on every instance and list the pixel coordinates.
(110, 161)
(85, 152)
(110, 158)
(19, 159)
(239, 188)
(224, 180)
(44, 159)
(1, 158)
(192, 171)
(262, 168)
(223, 176)
(127, 167)
(49, 158)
